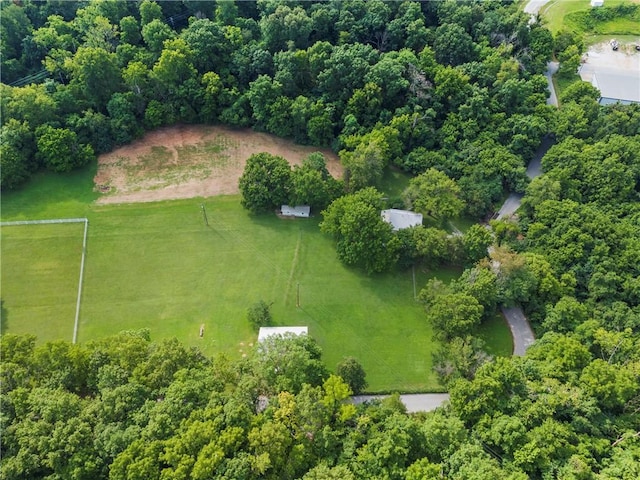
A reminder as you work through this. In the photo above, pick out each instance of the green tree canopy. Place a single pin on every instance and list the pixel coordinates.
(363, 238)
(59, 149)
(265, 182)
(434, 194)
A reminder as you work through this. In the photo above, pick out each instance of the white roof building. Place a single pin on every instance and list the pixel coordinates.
(400, 219)
(266, 332)
(297, 211)
(615, 73)
(617, 86)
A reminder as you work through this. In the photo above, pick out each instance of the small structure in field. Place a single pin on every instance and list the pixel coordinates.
(301, 211)
(266, 332)
(400, 219)
(597, 3)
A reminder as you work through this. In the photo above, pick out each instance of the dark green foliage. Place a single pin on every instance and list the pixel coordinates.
(476, 241)
(259, 315)
(60, 151)
(265, 183)
(359, 77)
(312, 184)
(454, 315)
(125, 403)
(353, 374)
(435, 195)
(16, 153)
(362, 238)
(459, 358)
(465, 99)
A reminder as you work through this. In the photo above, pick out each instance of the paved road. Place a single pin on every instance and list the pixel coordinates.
(520, 329)
(510, 205)
(534, 169)
(534, 6)
(552, 67)
(421, 402)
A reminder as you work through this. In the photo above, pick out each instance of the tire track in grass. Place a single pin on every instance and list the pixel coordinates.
(294, 265)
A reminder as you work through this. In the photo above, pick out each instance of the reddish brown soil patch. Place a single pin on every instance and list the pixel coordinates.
(186, 161)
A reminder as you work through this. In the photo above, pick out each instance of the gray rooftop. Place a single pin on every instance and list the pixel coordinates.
(618, 85)
(400, 219)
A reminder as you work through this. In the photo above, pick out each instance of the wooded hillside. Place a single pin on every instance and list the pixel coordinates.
(450, 91)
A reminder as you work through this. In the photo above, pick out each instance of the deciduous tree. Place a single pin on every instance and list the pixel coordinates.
(363, 238)
(265, 182)
(59, 149)
(353, 374)
(434, 194)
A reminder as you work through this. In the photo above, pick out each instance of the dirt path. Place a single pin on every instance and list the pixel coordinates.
(186, 161)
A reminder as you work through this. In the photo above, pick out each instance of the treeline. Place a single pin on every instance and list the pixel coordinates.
(451, 85)
(125, 407)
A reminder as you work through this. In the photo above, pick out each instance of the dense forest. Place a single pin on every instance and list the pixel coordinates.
(451, 92)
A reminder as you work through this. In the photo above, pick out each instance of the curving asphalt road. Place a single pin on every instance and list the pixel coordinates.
(534, 6)
(520, 329)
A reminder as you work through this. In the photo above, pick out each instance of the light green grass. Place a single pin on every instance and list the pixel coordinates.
(461, 223)
(40, 273)
(47, 196)
(561, 14)
(497, 336)
(158, 266)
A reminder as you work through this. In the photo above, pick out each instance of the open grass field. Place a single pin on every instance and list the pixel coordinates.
(40, 272)
(157, 265)
(567, 14)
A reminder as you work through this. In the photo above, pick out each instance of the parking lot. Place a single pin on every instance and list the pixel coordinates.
(602, 58)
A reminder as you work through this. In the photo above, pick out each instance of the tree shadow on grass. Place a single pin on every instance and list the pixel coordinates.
(3, 318)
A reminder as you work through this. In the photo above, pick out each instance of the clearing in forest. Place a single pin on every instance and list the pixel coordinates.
(187, 161)
(157, 265)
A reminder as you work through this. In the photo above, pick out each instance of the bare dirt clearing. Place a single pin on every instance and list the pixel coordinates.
(186, 161)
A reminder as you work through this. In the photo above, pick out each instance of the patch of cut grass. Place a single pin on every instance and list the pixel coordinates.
(394, 182)
(461, 223)
(48, 195)
(158, 157)
(157, 266)
(40, 273)
(203, 151)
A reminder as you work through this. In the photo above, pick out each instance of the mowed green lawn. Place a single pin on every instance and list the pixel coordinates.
(158, 266)
(40, 273)
(557, 16)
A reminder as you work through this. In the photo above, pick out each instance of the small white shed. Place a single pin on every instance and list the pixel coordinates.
(400, 219)
(266, 332)
(302, 211)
